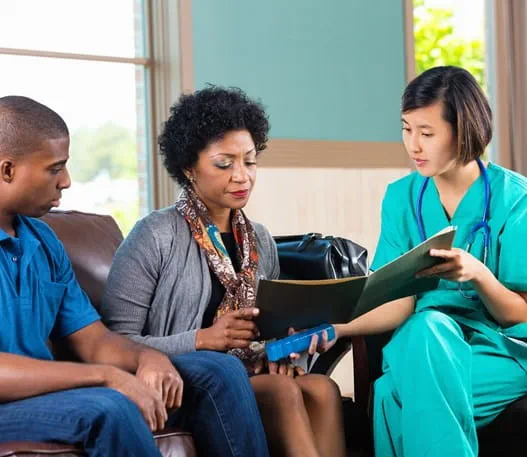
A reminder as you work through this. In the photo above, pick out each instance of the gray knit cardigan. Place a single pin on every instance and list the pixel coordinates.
(160, 283)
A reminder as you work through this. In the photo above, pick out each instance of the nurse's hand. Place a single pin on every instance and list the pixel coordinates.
(316, 345)
(458, 265)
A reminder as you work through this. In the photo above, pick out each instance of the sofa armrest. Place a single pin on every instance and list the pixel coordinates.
(28, 448)
(173, 442)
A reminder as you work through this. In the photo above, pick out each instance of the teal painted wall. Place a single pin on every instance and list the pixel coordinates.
(326, 70)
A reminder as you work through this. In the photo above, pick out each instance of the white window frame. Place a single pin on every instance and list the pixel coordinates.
(163, 79)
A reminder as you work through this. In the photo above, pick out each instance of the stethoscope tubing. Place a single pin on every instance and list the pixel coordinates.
(483, 223)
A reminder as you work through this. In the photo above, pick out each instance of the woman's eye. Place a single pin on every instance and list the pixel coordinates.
(428, 135)
(223, 166)
(249, 163)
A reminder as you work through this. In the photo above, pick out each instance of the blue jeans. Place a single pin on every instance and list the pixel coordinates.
(218, 407)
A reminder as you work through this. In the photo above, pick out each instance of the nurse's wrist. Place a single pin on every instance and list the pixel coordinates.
(481, 276)
(340, 330)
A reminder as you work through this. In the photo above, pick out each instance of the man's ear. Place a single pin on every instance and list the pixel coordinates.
(7, 170)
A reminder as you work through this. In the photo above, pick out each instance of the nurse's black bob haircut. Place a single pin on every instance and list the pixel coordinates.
(465, 106)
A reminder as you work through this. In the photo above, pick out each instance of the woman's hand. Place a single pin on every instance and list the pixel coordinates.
(285, 367)
(235, 329)
(459, 265)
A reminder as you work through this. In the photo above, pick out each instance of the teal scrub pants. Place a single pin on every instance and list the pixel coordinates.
(440, 382)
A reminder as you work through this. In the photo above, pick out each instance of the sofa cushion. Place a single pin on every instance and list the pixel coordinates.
(90, 241)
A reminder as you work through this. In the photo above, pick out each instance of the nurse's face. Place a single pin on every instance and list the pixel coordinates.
(429, 140)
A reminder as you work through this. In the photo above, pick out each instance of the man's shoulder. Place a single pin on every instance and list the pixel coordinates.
(41, 230)
(50, 254)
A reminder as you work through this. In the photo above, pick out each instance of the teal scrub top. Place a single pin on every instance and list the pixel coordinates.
(508, 234)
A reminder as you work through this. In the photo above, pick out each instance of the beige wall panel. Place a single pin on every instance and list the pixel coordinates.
(337, 201)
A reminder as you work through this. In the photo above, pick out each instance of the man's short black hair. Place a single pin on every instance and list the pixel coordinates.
(201, 118)
(26, 123)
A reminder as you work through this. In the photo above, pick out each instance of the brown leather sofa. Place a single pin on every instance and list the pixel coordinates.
(90, 241)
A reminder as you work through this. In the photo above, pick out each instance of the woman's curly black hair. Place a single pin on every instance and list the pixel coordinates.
(198, 119)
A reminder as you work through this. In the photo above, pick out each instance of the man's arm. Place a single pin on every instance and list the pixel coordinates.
(22, 377)
(111, 358)
(97, 345)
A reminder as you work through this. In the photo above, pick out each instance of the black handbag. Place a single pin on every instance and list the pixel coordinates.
(313, 256)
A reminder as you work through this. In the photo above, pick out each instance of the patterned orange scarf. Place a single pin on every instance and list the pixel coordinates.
(240, 288)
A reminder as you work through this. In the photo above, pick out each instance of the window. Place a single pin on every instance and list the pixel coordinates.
(89, 62)
(454, 32)
(451, 32)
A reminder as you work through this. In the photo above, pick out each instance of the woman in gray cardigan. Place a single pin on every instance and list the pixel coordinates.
(185, 278)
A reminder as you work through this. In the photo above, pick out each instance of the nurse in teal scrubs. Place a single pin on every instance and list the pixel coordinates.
(458, 356)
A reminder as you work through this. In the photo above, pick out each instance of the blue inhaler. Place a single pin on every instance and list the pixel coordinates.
(299, 342)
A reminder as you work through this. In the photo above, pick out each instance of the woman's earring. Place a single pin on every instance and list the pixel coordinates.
(191, 179)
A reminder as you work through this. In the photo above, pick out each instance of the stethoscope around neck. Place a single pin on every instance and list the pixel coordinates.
(482, 224)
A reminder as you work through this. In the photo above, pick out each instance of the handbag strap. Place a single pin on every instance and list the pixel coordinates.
(308, 238)
(335, 243)
(302, 238)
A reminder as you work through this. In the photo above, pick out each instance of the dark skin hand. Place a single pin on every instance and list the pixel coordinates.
(143, 375)
(282, 367)
(235, 329)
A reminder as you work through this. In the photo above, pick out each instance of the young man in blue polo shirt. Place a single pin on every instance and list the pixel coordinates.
(112, 402)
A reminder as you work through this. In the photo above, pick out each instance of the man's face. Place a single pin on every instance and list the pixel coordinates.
(38, 178)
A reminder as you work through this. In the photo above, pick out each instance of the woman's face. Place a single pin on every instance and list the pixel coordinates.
(429, 140)
(225, 173)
